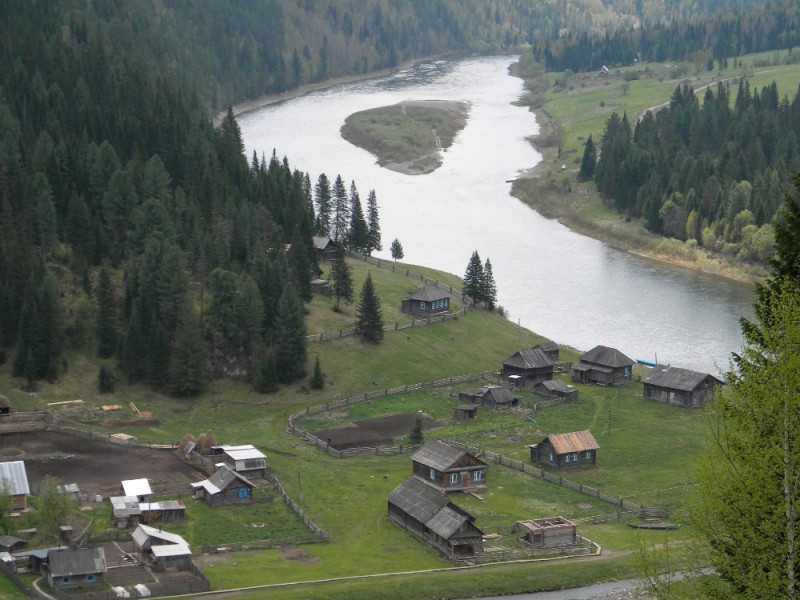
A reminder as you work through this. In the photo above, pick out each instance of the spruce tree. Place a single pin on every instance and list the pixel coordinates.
(187, 361)
(265, 379)
(489, 286)
(290, 337)
(373, 224)
(589, 160)
(317, 381)
(300, 265)
(397, 249)
(474, 279)
(322, 203)
(342, 277)
(106, 316)
(105, 381)
(369, 318)
(341, 210)
(358, 236)
(416, 436)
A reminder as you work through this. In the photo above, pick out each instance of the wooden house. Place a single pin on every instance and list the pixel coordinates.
(466, 411)
(140, 488)
(431, 516)
(225, 486)
(555, 388)
(427, 300)
(448, 469)
(245, 459)
(5, 405)
(532, 365)
(575, 449)
(14, 482)
(161, 550)
(67, 568)
(9, 543)
(325, 248)
(490, 396)
(680, 387)
(554, 532)
(604, 366)
(166, 511)
(550, 349)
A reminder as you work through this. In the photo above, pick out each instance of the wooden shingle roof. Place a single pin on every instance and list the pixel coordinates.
(676, 378)
(69, 563)
(607, 357)
(576, 441)
(417, 499)
(533, 358)
(429, 293)
(437, 455)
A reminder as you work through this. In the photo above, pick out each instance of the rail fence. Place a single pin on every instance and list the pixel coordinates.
(22, 422)
(397, 325)
(583, 547)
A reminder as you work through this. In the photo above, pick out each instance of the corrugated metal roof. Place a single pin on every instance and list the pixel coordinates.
(221, 479)
(608, 357)
(533, 358)
(677, 378)
(429, 293)
(85, 561)
(136, 487)
(143, 532)
(576, 441)
(171, 550)
(437, 455)
(14, 472)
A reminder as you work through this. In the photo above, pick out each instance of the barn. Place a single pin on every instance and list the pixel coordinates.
(533, 365)
(490, 396)
(428, 514)
(604, 366)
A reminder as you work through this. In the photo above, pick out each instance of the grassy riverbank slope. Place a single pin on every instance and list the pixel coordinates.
(570, 107)
(347, 497)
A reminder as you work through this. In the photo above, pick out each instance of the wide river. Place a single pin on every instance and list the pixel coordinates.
(570, 288)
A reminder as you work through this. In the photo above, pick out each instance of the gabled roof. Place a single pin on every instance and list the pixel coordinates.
(143, 533)
(417, 499)
(136, 487)
(85, 561)
(429, 293)
(556, 385)
(446, 522)
(607, 357)
(676, 378)
(243, 452)
(17, 477)
(438, 455)
(548, 346)
(576, 441)
(171, 550)
(533, 358)
(221, 479)
(498, 393)
(323, 242)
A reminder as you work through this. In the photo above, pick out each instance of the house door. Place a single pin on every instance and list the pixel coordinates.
(465, 479)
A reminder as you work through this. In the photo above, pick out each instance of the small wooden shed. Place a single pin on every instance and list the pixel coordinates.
(466, 411)
(245, 459)
(427, 300)
(575, 449)
(550, 349)
(16, 478)
(555, 388)
(490, 396)
(325, 248)
(680, 387)
(448, 469)
(553, 532)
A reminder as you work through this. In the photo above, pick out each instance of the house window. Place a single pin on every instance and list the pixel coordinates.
(453, 477)
(90, 578)
(65, 580)
(588, 454)
(551, 456)
(422, 306)
(433, 474)
(571, 457)
(477, 475)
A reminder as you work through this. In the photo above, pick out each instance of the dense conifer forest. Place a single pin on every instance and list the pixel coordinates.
(132, 228)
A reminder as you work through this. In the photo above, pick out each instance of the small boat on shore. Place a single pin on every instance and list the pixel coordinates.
(653, 525)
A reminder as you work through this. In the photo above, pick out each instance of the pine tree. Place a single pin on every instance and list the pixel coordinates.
(489, 286)
(358, 236)
(397, 249)
(106, 316)
(474, 279)
(369, 318)
(290, 337)
(373, 224)
(342, 277)
(317, 381)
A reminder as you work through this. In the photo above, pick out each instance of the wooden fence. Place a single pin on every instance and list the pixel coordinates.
(583, 547)
(22, 422)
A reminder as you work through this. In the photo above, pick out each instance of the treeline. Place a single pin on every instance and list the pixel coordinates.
(713, 172)
(721, 36)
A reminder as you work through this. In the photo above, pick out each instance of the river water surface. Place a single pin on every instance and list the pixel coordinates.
(568, 287)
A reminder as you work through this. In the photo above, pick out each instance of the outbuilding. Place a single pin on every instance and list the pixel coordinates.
(140, 488)
(245, 459)
(555, 388)
(162, 550)
(225, 486)
(15, 476)
(680, 387)
(553, 532)
(490, 396)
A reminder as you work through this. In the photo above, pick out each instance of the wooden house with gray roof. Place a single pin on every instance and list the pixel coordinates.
(555, 388)
(225, 486)
(531, 365)
(604, 366)
(162, 550)
(430, 515)
(324, 247)
(681, 387)
(67, 568)
(490, 396)
(427, 300)
(448, 469)
(559, 450)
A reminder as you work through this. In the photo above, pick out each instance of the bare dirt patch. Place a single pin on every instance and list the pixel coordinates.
(380, 431)
(299, 555)
(97, 466)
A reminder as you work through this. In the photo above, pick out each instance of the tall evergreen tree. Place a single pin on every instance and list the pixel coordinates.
(341, 210)
(589, 160)
(396, 249)
(322, 204)
(358, 235)
(187, 372)
(107, 326)
(317, 381)
(369, 317)
(300, 263)
(489, 286)
(290, 337)
(373, 224)
(474, 279)
(342, 277)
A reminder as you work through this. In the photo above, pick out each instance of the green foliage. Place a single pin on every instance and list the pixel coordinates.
(342, 277)
(396, 249)
(369, 318)
(290, 337)
(53, 509)
(187, 372)
(474, 279)
(317, 381)
(106, 316)
(589, 160)
(106, 382)
(416, 436)
(373, 224)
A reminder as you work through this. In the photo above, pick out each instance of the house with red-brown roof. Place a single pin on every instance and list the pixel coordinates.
(574, 449)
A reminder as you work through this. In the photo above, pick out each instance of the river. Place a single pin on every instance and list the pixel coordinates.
(570, 288)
